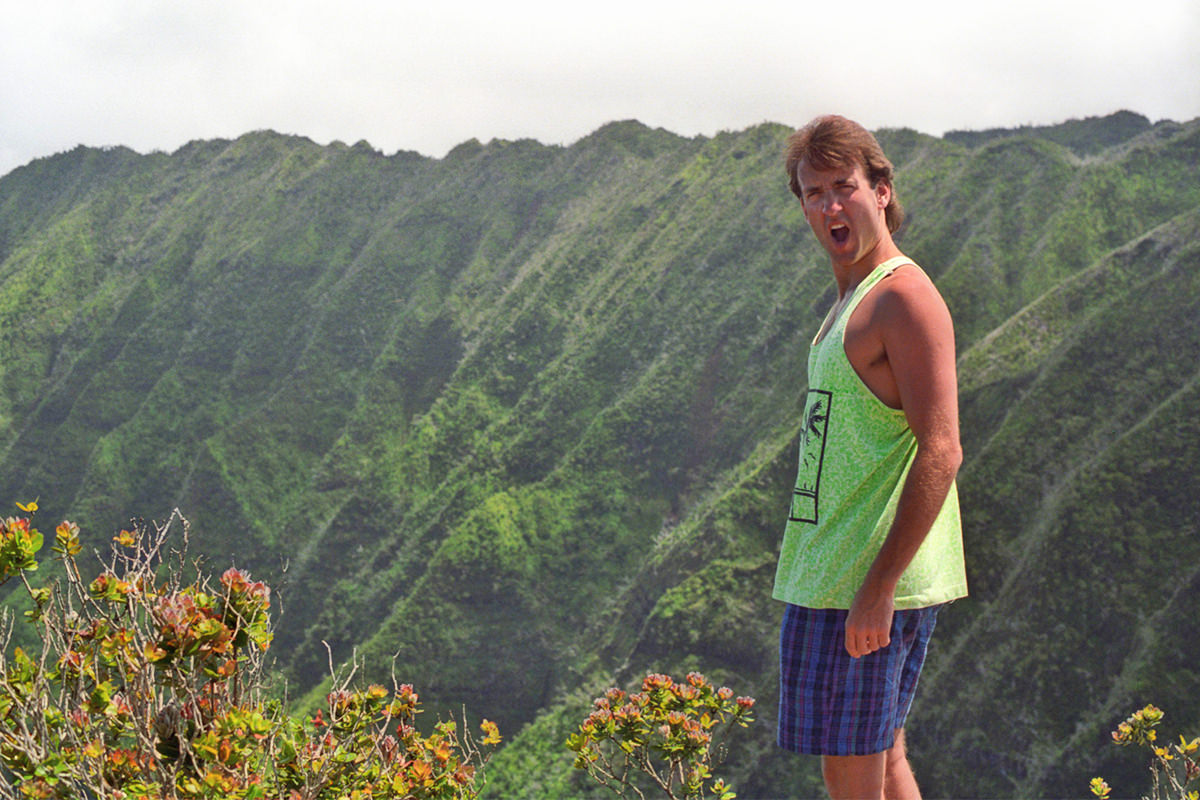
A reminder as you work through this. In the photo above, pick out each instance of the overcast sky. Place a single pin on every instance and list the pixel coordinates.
(425, 76)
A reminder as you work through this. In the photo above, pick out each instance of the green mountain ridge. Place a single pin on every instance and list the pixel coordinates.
(518, 423)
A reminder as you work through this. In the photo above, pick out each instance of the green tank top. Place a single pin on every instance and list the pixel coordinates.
(855, 453)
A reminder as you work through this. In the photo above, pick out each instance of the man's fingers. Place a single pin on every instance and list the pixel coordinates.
(861, 644)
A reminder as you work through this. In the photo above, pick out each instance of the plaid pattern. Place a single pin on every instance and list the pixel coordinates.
(832, 704)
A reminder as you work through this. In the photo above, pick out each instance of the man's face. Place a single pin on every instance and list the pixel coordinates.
(844, 210)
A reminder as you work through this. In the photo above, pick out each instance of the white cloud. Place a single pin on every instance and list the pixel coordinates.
(426, 76)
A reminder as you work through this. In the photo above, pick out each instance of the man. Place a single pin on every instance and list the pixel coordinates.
(873, 543)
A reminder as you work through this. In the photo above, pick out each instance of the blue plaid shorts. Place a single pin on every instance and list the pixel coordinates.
(832, 704)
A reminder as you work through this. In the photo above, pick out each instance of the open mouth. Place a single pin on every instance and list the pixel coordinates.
(840, 233)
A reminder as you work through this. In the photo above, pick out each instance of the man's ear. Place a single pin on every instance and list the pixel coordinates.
(883, 194)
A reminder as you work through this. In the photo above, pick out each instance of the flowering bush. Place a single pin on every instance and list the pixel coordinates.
(1175, 769)
(664, 733)
(149, 685)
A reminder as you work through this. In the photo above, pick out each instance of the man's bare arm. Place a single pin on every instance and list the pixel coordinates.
(918, 340)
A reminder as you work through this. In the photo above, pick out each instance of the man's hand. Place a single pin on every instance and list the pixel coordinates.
(869, 623)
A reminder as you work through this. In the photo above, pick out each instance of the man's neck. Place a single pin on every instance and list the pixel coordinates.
(849, 276)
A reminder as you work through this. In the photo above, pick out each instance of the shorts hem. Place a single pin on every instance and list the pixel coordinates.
(818, 750)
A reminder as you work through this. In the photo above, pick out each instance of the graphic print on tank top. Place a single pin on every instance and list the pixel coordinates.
(812, 454)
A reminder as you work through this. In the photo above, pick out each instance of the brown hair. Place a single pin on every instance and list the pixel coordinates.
(831, 141)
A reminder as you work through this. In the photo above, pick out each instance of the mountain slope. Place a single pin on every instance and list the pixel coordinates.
(516, 423)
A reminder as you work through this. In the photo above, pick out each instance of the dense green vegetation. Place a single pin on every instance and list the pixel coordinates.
(523, 419)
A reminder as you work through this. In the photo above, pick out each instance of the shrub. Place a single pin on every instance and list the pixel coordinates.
(151, 685)
(663, 734)
(1175, 769)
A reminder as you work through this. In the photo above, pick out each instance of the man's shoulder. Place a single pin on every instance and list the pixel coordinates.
(907, 276)
(906, 295)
